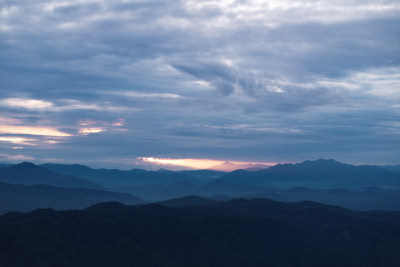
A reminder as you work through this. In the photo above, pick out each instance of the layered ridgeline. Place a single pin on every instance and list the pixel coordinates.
(201, 232)
(29, 174)
(134, 177)
(317, 174)
(326, 181)
(29, 197)
(26, 186)
(215, 188)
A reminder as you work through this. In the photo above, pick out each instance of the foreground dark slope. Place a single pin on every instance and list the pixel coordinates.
(234, 233)
(362, 199)
(30, 197)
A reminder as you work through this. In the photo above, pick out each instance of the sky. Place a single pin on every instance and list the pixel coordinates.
(130, 84)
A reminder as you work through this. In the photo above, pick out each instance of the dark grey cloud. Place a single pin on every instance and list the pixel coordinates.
(273, 81)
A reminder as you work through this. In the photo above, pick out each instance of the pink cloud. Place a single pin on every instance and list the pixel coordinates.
(16, 157)
(119, 122)
(205, 163)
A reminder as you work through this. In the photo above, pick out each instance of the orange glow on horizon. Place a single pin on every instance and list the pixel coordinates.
(191, 163)
(200, 163)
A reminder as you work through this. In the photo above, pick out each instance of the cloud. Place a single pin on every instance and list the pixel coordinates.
(26, 103)
(72, 104)
(383, 82)
(88, 122)
(193, 163)
(4, 120)
(152, 95)
(18, 140)
(16, 157)
(99, 126)
(257, 80)
(64, 105)
(119, 122)
(32, 130)
(86, 131)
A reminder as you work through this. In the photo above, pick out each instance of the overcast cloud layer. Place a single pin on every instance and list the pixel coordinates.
(106, 82)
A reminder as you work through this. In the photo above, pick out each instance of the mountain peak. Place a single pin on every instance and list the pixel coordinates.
(25, 163)
(25, 166)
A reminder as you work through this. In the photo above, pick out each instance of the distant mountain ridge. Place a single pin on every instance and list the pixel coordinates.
(328, 181)
(392, 168)
(115, 177)
(17, 197)
(184, 188)
(318, 173)
(30, 174)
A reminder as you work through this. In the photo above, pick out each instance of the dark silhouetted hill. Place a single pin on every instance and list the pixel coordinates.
(30, 174)
(361, 199)
(30, 197)
(234, 233)
(186, 201)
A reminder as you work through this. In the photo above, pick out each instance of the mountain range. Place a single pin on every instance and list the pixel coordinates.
(201, 218)
(29, 174)
(29, 197)
(327, 181)
(317, 174)
(114, 177)
(180, 189)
